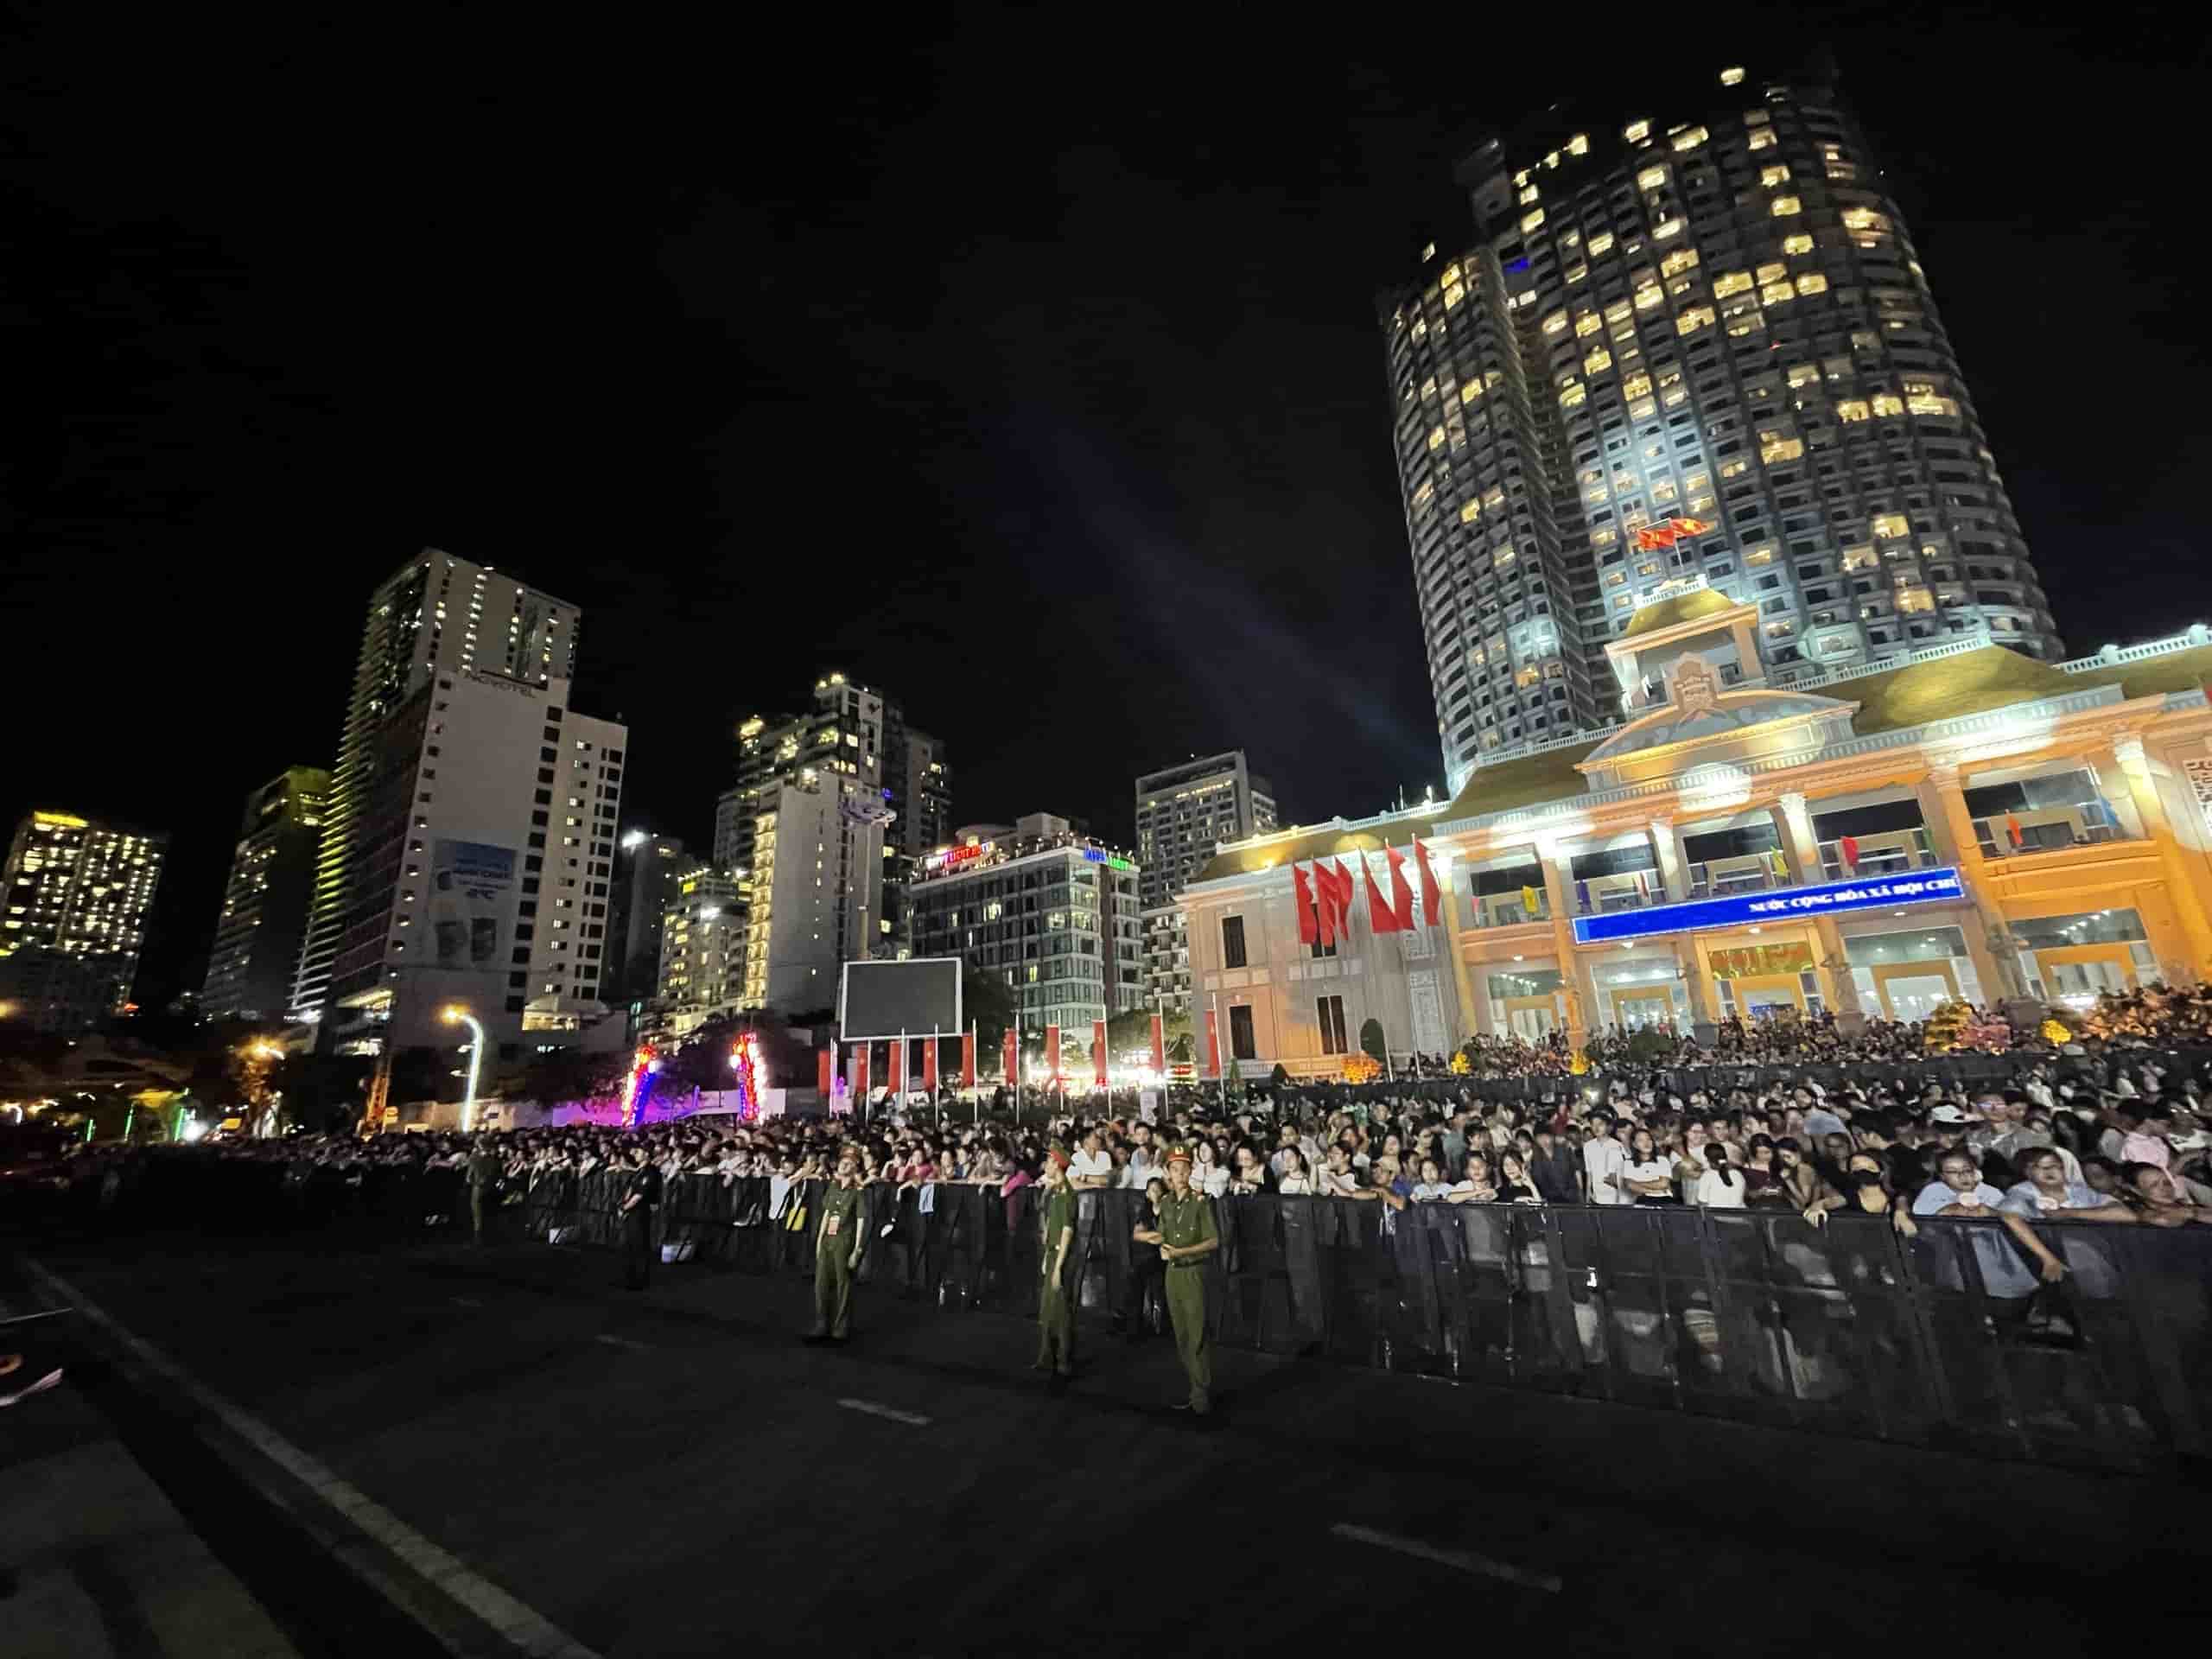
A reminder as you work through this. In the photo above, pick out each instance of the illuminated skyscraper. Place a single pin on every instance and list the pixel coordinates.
(264, 913)
(1701, 320)
(77, 893)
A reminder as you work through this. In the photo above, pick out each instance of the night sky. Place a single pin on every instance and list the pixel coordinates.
(1024, 365)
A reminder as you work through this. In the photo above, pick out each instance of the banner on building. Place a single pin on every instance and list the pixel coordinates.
(471, 903)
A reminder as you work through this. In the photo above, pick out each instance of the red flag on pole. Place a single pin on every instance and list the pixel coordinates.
(1009, 1061)
(822, 1073)
(859, 1071)
(1345, 896)
(1098, 1053)
(1401, 894)
(1052, 1052)
(1158, 1046)
(1213, 1045)
(1309, 924)
(1326, 908)
(897, 1070)
(1380, 917)
(967, 1059)
(928, 1065)
(1430, 898)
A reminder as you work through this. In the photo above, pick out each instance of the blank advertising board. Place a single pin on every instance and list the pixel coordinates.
(882, 999)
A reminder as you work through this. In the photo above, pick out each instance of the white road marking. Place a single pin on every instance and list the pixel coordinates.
(913, 1419)
(46, 1314)
(1464, 1561)
(621, 1342)
(527, 1630)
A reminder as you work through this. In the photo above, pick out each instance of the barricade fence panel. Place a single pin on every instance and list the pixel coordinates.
(1948, 1336)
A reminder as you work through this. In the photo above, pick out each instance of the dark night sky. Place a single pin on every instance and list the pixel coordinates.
(1026, 367)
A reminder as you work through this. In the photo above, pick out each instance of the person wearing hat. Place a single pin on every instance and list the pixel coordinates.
(1185, 1237)
(1055, 1300)
(839, 1234)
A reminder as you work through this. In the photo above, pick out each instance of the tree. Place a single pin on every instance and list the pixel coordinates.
(1372, 1041)
(1131, 1032)
(570, 1074)
(988, 1002)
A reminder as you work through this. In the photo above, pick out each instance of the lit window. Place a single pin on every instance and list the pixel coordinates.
(1453, 295)
(1731, 281)
(1578, 145)
(1648, 296)
(1598, 361)
(1532, 221)
(1667, 227)
(1775, 447)
(1471, 390)
(1529, 194)
(1635, 385)
(1436, 438)
(1777, 294)
(1587, 323)
(1889, 526)
(1887, 403)
(1556, 322)
(1697, 317)
(1652, 178)
(1813, 282)
(1761, 139)
(1502, 557)
(1601, 243)
(1852, 409)
(1422, 494)
(1636, 131)
(1775, 175)
(1924, 400)
(1803, 374)
(1735, 467)
(1785, 205)
(1774, 272)
(1798, 244)
(1469, 511)
(1758, 556)
(1576, 273)
(1677, 262)
(1691, 139)
(1571, 395)
(1863, 219)
(1731, 77)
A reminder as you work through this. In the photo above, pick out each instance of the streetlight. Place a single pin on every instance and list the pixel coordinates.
(455, 1014)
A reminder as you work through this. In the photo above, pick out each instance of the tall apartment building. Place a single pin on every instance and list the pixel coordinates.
(1183, 815)
(1055, 914)
(468, 846)
(1686, 345)
(646, 869)
(702, 966)
(77, 895)
(264, 915)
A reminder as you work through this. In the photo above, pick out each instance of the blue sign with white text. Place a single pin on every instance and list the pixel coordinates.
(1775, 905)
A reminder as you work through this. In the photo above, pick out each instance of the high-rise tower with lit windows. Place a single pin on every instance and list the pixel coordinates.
(77, 893)
(1686, 345)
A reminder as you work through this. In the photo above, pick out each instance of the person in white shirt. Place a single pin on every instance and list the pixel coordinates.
(1602, 1159)
(1291, 1178)
(1091, 1169)
(1719, 1185)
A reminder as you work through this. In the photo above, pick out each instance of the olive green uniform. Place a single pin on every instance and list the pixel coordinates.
(1055, 1303)
(836, 1243)
(1186, 1221)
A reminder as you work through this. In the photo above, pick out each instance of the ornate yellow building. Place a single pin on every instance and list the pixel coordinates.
(1959, 822)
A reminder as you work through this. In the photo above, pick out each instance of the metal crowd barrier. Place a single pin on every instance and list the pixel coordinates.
(1749, 1315)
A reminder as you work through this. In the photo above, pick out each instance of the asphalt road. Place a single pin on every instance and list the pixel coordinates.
(672, 1473)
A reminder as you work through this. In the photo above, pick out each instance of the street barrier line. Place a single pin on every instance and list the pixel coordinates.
(912, 1419)
(522, 1626)
(1466, 1561)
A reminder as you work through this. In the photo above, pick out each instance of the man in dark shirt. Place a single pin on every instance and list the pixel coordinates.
(640, 1198)
(1555, 1169)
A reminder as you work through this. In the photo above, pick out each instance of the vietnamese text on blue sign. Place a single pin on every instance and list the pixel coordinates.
(1778, 904)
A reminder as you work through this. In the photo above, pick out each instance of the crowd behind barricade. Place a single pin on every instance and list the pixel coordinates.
(1457, 1203)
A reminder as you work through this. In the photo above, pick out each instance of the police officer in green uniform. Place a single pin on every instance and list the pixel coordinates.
(838, 1237)
(1185, 1236)
(1055, 1298)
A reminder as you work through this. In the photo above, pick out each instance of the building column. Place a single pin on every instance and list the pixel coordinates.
(2182, 891)
(1950, 827)
(1804, 852)
(1833, 966)
(1474, 1002)
(1558, 888)
(1667, 849)
(1689, 962)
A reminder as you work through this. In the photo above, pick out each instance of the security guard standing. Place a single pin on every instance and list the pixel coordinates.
(640, 1198)
(838, 1236)
(1055, 1305)
(1187, 1237)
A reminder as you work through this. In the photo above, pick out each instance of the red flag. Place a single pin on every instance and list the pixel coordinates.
(1380, 917)
(928, 1066)
(967, 1059)
(821, 1073)
(1213, 1045)
(1098, 1053)
(1401, 893)
(1009, 1061)
(860, 1070)
(1327, 906)
(1052, 1052)
(1340, 896)
(898, 1070)
(1848, 846)
(2012, 828)
(1309, 924)
(1430, 898)
(1158, 1046)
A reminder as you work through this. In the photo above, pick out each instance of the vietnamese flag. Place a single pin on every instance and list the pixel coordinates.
(1848, 846)
(1052, 1052)
(1380, 917)
(1309, 924)
(967, 1059)
(1098, 1053)
(1009, 1062)
(898, 1069)
(929, 1067)
(860, 1070)
(1327, 906)
(1430, 898)
(1213, 1045)
(2012, 829)
(821, 1068)
(1159, 1045)
(1340, 888)
(1401, 893)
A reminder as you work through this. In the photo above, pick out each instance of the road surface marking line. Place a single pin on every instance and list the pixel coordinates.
(1467, 1562)
(912, 1418)
(524, 1626)
(46, 1314)
(620, 1342)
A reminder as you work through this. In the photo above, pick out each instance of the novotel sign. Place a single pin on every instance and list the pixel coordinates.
(1775, 905)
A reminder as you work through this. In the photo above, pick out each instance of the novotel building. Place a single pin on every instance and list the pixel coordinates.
(1051, 913)
(1961, 821)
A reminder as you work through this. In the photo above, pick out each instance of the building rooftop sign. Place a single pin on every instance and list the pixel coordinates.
(1775, 905)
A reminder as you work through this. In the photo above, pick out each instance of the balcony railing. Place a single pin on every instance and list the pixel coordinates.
(1725, 876)
(1508, 909)
(1607, 895)
(1892, 855)
(2047, 829)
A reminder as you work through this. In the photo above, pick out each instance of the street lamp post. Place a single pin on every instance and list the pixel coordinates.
(455, 1014)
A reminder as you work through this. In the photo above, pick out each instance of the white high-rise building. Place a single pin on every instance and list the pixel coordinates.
(469, 841)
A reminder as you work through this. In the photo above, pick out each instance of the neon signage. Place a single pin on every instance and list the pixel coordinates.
(1098, 856)
(952, 857)
(1782, 905)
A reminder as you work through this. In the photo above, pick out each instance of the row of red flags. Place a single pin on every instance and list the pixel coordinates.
(1008, 1059)
(1324, 897)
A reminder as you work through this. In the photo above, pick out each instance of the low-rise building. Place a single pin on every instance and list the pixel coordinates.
(1960, 822)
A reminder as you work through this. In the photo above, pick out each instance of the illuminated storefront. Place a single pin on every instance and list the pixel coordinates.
(1962, 822)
